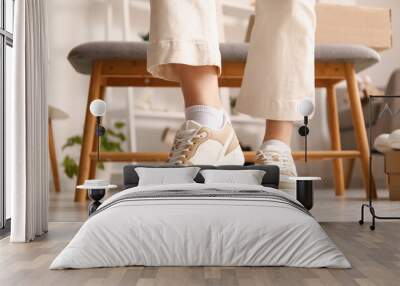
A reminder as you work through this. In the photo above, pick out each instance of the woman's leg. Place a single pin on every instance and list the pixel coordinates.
(199, 85)
(182, 32)
(280, 65)
(279, 74)
(278, 130)
(184, 48)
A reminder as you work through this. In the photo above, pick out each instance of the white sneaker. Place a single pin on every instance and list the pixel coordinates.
(273, 155)
(198, 145)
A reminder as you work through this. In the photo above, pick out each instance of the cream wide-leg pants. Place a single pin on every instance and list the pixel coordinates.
(279, 71)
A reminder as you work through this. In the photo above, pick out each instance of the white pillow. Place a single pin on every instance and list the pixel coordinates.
(166, 176)
(247, 177)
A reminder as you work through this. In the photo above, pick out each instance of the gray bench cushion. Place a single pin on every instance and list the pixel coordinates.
(82, 56)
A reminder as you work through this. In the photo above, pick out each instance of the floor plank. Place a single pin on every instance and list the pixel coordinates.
(327, 206)
(375, 257)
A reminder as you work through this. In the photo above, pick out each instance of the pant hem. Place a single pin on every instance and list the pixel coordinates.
(280, 110)
(162, 54)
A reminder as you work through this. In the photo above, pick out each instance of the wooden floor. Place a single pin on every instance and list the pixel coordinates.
(375, 256)
(327, 207)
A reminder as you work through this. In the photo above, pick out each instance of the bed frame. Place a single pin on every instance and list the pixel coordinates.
(270, 179)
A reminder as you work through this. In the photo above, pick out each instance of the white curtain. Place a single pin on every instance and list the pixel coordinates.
(27, 123)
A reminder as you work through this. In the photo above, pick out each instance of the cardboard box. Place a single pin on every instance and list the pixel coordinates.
(350, 24)
(345, 24)
(394, 187)
(392, 162)
(392, 169)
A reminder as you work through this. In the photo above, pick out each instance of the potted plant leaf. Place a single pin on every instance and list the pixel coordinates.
(111, 141)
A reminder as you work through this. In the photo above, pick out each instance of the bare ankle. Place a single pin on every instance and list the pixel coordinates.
(278, 130)
(199, 85)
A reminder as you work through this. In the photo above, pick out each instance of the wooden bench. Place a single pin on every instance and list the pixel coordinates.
(124, 64)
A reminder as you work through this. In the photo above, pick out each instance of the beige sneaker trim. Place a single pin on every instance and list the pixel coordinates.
(192, 150)
(220, 136)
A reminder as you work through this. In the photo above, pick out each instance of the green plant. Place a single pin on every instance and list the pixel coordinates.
(145, 37)
(73, 140)
(70, 166)
(110, 142)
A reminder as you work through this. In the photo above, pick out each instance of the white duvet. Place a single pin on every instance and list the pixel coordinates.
(188, 231)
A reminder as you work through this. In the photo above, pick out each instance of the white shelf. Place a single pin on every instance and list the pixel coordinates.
(176, 115)
(230, 6)
(154, 114)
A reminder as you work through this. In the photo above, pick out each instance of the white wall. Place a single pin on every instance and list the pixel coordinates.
(72, 22)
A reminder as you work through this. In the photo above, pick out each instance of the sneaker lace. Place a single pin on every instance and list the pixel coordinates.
(184, 140)
(273, 157)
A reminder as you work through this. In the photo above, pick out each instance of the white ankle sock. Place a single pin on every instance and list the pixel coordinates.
(207, 116)
(276, 142)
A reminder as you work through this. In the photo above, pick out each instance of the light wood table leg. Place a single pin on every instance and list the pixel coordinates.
(359, 127)
(92, 172)
(349, 172)
(88, 140)
(53, 157)
(333, 122)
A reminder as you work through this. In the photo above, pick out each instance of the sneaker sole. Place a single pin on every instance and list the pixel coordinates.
(286, 183)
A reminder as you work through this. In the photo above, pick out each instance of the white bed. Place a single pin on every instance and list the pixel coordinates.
(143, 226)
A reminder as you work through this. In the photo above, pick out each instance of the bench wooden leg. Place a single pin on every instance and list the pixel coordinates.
(349, 172)
(92, 171)
(359, 127)
(333, 122)
(88, 140)
(53, 157)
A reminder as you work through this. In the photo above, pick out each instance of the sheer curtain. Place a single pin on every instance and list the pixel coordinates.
(27, 124)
